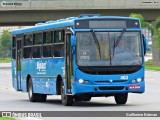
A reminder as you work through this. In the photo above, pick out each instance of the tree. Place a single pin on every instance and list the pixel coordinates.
(157, 37)
(5, 42)
(144, 24)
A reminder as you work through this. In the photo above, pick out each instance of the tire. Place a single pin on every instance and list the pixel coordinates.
(121, 98)
(42, 98)
(33, 97)
(86, 98)
(78, 98)
(67, 100)
(82, 98)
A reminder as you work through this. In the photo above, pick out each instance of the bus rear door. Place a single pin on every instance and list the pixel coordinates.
(19, 39)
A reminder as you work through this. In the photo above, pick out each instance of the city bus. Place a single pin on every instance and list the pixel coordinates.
(79, 58)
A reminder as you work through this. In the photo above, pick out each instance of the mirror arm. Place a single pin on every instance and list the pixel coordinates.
(72, 31)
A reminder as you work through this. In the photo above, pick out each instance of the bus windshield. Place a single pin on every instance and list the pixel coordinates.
(128, 50)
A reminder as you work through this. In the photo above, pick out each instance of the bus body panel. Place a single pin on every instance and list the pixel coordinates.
(44, 74)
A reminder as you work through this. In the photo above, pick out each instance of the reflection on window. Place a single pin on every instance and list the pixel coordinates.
(47, 51)
(36, 52)
(58, 36)
(27, 52)
(28, 39)
(37, 38)
(13, 54)
(58, 50)
(47, 38)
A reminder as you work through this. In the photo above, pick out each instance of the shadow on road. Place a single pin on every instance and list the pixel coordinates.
(87, 104)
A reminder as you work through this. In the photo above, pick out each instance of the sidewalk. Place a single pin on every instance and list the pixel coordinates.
(5, 65)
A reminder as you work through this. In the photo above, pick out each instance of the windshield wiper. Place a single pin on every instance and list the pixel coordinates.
(118, 39)
(96, 41)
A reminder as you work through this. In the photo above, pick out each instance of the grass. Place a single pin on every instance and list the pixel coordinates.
(5, 60)
(150, 66)
(7, 118)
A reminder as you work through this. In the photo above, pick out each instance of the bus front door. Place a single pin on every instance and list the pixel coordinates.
(18, 63)
(68, 63)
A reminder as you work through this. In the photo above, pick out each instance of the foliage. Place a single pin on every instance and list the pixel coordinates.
(144, 24)
(5, 42)
(5, 60)
(7, 118)
(158, 22)
(150, 66)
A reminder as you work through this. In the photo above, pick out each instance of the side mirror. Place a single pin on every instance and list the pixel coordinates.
(145, 44)
(73, 41)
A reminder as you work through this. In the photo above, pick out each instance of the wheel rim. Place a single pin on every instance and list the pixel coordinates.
(30, 90)
(62, 92)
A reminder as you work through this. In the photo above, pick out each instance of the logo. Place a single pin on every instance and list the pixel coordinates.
(41, 66)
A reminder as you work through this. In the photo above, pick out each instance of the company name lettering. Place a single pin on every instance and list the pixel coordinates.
(41, 66)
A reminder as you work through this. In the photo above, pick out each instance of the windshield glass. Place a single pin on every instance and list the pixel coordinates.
(126, 52)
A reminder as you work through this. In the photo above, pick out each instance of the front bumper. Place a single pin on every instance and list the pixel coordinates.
(78, 88)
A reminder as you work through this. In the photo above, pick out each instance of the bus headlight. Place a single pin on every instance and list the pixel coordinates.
(139, 79)
(80, 80)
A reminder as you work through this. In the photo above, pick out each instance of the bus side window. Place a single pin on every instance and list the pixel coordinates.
(47, 44)
(37, 43)
(27, 46)
(58, 43)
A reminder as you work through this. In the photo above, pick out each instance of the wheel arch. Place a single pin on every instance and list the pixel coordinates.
(58, 84)
(27, 81)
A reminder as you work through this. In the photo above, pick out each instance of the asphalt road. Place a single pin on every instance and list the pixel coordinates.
(10, 100)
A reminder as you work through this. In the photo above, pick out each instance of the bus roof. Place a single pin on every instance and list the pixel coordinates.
(62, 23)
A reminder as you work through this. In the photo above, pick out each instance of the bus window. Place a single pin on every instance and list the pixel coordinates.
(27, 52)
(58, 50)
(27, 46)
(27, 39)
(37, 39)
(37, 52)
(47, 51)
(58, 36)
(47, 37)
(58, 43)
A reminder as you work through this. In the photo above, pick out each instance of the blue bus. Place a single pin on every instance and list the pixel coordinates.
(79, 58)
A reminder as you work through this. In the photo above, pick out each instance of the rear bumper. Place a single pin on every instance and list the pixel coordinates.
(78, 88)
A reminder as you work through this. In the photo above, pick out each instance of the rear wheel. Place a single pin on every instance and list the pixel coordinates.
(42, 98)
(121, 98)
(67, 100)
(86, 98)
(82, 98)
(33, 97)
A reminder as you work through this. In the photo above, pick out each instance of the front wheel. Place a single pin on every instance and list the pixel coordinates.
(67, 100)
(121, 98)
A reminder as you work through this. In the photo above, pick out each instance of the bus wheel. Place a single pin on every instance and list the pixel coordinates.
(67, 100)
(42, 97)
(33, 97)
(86, 98)
(121, 98)
(78, 98)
